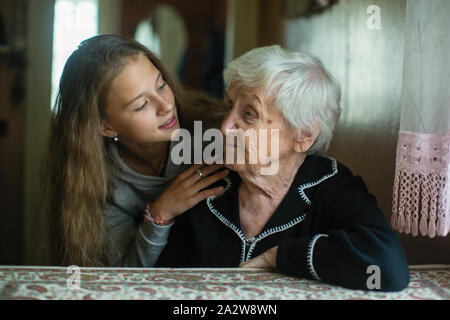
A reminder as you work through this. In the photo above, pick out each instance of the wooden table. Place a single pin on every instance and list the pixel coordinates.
(19, 282)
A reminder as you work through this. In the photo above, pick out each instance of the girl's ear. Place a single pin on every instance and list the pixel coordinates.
(304, 140)
(106, 131)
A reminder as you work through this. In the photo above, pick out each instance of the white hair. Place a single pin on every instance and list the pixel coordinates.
(306, 94)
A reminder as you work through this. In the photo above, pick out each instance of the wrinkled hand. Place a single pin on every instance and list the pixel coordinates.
(187, 190)
(266, 260)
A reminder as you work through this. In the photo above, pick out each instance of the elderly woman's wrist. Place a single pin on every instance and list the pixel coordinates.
(273, 253)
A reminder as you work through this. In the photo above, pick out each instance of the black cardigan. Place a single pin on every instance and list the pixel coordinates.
(328, 227)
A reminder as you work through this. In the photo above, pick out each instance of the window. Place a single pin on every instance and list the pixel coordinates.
(74, 21)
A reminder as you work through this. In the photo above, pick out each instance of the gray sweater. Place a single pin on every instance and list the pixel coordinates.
(132, 242)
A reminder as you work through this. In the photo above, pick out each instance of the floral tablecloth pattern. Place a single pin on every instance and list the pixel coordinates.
(18, 282)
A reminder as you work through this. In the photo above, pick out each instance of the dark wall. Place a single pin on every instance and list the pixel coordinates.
(12, 129)
(205, 24)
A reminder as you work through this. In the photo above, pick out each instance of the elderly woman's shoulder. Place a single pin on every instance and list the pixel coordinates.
(328, 164)
(337, 176)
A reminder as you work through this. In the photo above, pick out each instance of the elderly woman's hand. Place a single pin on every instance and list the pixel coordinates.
(266, 260)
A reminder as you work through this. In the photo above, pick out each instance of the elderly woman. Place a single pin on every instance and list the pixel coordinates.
(312, 218)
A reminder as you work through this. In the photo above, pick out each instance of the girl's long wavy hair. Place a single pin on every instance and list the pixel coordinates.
(77, 163)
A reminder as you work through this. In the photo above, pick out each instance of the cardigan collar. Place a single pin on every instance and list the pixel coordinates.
(292, 208)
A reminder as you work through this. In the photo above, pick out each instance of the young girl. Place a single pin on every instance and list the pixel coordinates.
(108, 156)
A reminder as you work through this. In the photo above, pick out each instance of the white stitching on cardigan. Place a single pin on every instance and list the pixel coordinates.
(309, 256)
(301, 189)
(300, 218)
(224, 220)
(271, 231)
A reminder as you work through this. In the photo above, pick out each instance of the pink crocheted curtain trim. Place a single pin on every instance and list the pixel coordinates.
(421, 185)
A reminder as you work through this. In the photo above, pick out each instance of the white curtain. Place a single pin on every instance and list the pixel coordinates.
(421, 195)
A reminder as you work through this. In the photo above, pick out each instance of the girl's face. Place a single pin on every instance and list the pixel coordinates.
(140, 106)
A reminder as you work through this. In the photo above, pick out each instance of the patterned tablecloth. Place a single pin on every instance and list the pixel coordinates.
(16, 282)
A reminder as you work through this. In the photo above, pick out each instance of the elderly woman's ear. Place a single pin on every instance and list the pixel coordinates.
(304, 139)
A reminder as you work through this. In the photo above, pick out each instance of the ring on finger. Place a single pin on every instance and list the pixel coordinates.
(199, 173)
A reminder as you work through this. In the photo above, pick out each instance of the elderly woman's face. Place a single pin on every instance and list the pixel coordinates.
(251, 120)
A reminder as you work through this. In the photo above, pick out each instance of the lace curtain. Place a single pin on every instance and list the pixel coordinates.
(421, 195)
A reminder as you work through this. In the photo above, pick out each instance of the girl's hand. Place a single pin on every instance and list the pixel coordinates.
(186, 191)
